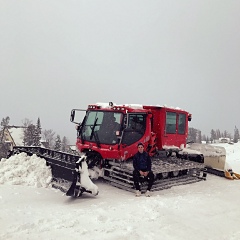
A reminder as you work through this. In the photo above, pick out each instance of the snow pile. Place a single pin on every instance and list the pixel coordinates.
(22, 169)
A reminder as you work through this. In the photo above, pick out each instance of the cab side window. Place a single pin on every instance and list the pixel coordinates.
(181, 123)
(135, 129)
(171, 122)
(137, 122)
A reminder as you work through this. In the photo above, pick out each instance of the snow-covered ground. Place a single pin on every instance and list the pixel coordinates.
(204, 210)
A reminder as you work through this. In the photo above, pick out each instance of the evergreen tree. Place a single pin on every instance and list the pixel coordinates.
(58, 143)
(37, 134)
(218, 134)
(236, 135)
(199, 137)
(213, 136)
(192, 135)
(4, 124)
(5, 121)
(225, 134)
(204, 137)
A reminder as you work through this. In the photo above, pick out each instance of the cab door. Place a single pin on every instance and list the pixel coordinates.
(170, 130)
(181, 136)
(175, 133)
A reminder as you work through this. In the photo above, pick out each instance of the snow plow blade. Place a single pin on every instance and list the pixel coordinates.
(214, 157)
(68, 170)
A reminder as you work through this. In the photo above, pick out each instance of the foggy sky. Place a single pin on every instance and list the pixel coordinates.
(57, 55)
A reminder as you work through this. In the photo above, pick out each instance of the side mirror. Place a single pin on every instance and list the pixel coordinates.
(72, 116)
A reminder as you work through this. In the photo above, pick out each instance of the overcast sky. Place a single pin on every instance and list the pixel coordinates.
(57, 55)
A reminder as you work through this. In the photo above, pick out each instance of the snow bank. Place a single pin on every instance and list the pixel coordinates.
(22, 169)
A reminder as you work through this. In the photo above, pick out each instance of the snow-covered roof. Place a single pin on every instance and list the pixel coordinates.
(17, 135)
(135, 106)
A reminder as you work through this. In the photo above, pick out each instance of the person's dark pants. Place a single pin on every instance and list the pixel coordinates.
(137, 178)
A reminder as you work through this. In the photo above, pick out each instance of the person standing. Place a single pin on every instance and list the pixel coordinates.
(142, 165)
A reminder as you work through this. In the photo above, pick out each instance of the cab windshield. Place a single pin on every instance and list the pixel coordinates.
(101, 127)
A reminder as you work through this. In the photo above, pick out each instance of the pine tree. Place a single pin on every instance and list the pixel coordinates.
(204, 137)
(199, 137)
(225, 134)
(236, 135)
(192, 135)
(58, 143)
(5, 121)
(218, 134)
(213, 136)
(37, 134)
(4, 124)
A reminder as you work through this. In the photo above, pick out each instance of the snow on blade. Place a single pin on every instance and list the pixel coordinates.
(21, 169)
(85, 180)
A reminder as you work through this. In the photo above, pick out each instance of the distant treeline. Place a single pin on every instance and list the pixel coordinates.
(196, 136)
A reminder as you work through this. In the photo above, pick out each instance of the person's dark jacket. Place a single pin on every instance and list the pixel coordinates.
(142, 159)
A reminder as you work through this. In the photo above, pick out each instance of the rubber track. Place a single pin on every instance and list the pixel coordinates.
(188, 172)
(159, 185)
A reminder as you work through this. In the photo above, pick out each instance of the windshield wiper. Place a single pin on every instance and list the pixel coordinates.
(94, 134)
(93, 127)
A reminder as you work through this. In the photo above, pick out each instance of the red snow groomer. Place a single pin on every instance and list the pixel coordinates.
(109, 135)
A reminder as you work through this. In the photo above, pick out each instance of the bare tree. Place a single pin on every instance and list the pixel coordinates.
(64, 144)
(26, 122)
(29, 135)
(48, 136)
